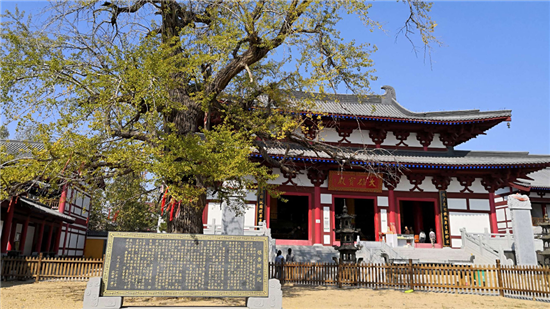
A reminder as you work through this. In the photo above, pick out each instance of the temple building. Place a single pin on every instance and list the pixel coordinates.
(41, 220)
(405, 174)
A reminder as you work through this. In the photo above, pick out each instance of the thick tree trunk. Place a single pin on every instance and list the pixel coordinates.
(189, 219)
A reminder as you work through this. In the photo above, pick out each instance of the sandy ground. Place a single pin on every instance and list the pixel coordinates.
(50, 295)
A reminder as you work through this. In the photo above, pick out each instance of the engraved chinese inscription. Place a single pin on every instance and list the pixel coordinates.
(145, 264)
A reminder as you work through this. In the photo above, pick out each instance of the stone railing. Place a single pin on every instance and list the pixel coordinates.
(484, 251)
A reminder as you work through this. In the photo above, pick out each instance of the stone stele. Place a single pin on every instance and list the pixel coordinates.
(524, 239)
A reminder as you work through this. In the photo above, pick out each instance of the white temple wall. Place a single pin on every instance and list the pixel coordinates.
(215, 210)
(455, 186)
(473, 222)
(360, 137)
(412, 141)
(390, 140)
(427, 185)
(29, 241)
(329, 135)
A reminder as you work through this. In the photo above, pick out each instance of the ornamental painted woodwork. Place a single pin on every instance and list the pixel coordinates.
(448, 138)
(493, 182)
(344, 132)
(416, 180)
(391, 181)
(289, 177)
(466, 182)
(402, 136)
(441, 182)
(378, 135)
(317, 176)
(425, 138)
(183, 265)
(354, 181)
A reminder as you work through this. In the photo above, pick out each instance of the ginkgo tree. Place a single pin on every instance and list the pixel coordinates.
(180, 90)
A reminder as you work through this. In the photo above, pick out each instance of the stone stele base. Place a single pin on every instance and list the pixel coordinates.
(92, 300)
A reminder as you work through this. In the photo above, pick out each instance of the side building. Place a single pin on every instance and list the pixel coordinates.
(41, 221)
(423, 182)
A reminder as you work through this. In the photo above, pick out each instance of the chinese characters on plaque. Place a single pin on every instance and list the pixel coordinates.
(147, 264)
(354, 181)
(262, 195)
(445, 218)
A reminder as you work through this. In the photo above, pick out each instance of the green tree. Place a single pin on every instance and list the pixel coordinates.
(4, 133)
(180, 90)
(124, 205)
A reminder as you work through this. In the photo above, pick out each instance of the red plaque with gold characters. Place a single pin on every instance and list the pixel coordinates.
(354, 181)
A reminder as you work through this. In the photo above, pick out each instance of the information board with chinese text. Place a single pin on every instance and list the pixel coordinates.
(149, 264)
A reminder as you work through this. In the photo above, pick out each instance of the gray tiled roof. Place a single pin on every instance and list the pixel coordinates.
(45, 209)
(456, 158)
(21, 149)
(386, 106)
(541, 179)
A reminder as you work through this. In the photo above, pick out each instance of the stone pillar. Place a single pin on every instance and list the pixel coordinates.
(524, 239)
(6, 228)
(232, 223)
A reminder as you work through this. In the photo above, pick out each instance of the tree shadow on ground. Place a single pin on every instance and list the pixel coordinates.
(11, 283)
(296, 291)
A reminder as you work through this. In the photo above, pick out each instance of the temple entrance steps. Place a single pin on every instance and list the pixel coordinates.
(310, 254)
(439, 255)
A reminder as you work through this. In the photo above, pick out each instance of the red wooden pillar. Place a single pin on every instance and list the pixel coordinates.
(6, 229)
(317, 215)
(50, 236)
(492, 213)
(63, 199)
(24, 234)
(391, 210)
(376, 221)
(57, 238)
(11, 239)
(38, 247)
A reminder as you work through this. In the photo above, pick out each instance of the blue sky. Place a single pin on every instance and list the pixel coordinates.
(495, 56)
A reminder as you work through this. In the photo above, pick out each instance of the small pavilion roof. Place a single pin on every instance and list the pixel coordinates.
(457, 159)
(41, 208)
(386, 107)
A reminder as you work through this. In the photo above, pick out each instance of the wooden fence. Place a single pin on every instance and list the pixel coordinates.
(512, 281)
(41, 268)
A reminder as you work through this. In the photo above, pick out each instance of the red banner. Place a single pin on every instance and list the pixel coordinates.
(354, 181)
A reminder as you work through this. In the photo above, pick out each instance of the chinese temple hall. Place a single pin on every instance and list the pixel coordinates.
(433, 187)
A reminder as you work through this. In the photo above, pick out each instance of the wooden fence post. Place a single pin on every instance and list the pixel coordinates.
(339, 277)
(39, 267)
(411, 276)
(499, 276)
